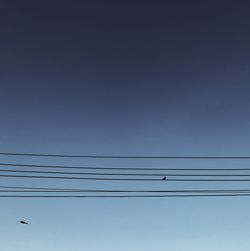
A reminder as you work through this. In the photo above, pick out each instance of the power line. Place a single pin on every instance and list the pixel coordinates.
(126, 190)
(123, 168)
(40, 190)
(119, 156)
(126, 174)
(77, 178)
(123, 179)
(209, 180)
(127, 196)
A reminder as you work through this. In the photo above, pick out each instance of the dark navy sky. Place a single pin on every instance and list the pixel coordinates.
(123, 70)
(126, 78)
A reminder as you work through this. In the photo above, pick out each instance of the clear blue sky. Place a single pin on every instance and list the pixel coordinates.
(125, 78)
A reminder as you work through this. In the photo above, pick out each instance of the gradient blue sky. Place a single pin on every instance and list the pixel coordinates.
(125, 78)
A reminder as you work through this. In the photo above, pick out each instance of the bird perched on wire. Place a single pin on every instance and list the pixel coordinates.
(24, 222)
(164, 178)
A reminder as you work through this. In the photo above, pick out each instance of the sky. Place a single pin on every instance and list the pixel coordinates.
(125, 78)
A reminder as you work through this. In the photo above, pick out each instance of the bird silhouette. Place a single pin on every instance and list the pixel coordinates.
(164, 178)
(23, 222)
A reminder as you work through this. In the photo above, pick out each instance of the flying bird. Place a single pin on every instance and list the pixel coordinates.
(23, 222)
(164, 178)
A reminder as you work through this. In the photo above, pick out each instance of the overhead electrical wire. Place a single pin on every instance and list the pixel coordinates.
(190, 191)
(128, 196)
(122, 168)
(125, 174)
(78, 178)
(119, 156)
(122, 179)
(137, 173)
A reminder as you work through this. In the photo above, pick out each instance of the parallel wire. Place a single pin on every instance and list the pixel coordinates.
(127, 191)
(123, 179)
(77, 178)
(146, 193)
(123, 191)
(123, 168)
(127, 196)
(124, 174)
(119, 156)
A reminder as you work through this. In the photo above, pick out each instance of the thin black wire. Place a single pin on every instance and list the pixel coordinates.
(76, 178)
(119, 156)
(209, 180)
(124, 179)
(38, 188)
(125, 174)
(123, 191)
(126, 196)
(124, 168)
(126, 191)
